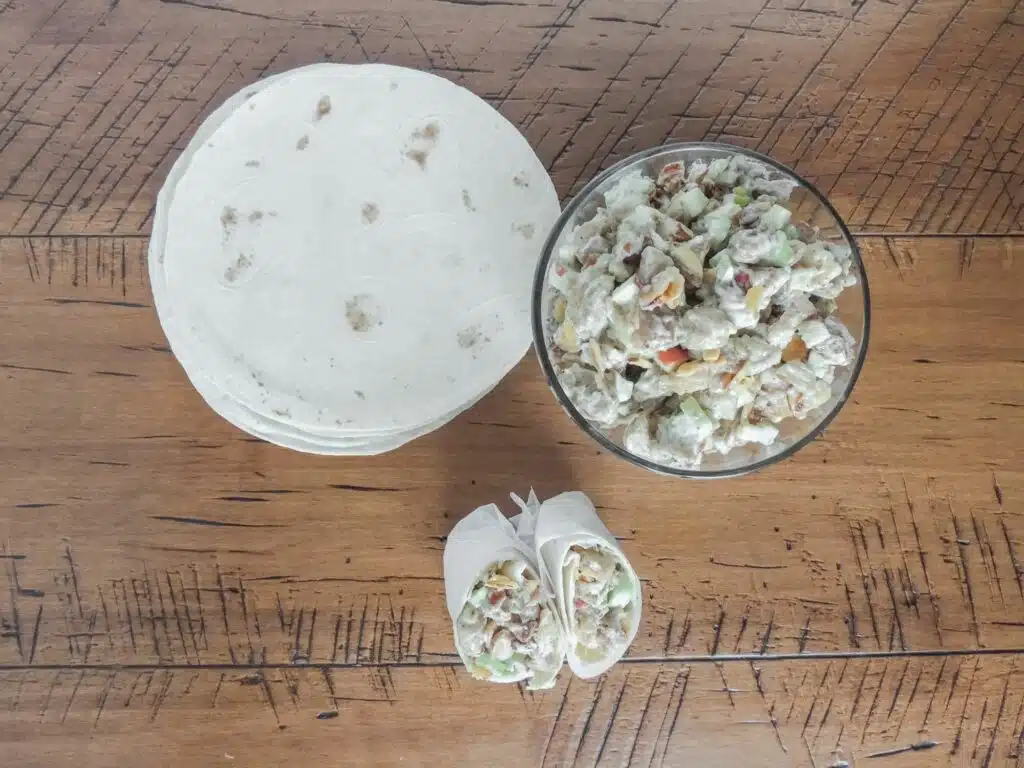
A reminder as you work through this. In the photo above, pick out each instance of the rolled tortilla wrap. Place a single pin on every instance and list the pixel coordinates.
(596, 589)
(506, 624)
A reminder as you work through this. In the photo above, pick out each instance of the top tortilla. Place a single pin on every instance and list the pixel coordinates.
(353, 249)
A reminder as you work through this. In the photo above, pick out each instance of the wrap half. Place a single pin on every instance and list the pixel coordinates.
(596, 589)
(505, 621)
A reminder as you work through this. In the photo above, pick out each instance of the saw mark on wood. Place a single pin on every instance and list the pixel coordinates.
(999, 717)
(874, 702)
(963, 713)
(586, 723)
(962, 545)
(611, 720)
(675, 714)
(216, 523)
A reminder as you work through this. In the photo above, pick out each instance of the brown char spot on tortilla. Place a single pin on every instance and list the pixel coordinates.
(393, 86)
(430, 131)
(302, 143)
(323, 107)
(253, 164)
(370, 212)
(468, 201)
(471, 337)
(359, 314)
(238, 268)
(520, 180)
(255, 216)
(419, 157)
(526, 230)
(228, 220)
(422, 141)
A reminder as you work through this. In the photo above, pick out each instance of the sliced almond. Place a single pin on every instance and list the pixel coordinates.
(795, 350)
(673, 293)
(667, 291)
(754, 297)
(689, 263)
(558, 309)
(711, 355)
(501, 581)
(690, 368)
(565, 337)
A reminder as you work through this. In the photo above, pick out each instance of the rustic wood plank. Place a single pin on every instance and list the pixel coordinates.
(919, 711)
(905, 112)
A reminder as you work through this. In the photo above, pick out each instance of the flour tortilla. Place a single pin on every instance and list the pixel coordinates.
(230, 410)
(222, 403)
(453, 318)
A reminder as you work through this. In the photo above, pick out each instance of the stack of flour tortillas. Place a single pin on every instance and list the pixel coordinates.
(342, 258)
(548, 585)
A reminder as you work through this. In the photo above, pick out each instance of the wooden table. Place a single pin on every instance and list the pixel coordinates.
(175, 593)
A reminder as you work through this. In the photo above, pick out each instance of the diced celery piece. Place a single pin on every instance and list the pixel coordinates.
(622, 591)
(775, 218)
(727, 210)
(792, 232)
(692, 408)
(493, 664)
(741, 196)
(720, 258)
(729, 175)
(694, 202)
(716, 168)
(620, 596)
(626, 292)
(689, 263)
(717, 228)
(781, 254)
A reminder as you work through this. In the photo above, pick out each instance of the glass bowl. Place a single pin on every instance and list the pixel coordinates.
(808, 207)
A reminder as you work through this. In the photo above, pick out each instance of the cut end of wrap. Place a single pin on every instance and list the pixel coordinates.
(506, 629)
(479, 672)
(536, 678)
(589, 663)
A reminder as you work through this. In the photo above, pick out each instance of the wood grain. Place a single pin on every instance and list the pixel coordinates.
(953, 711)
(905, 111)
(171, 586)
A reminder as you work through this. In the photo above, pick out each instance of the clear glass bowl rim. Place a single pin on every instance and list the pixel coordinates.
(540, 342)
